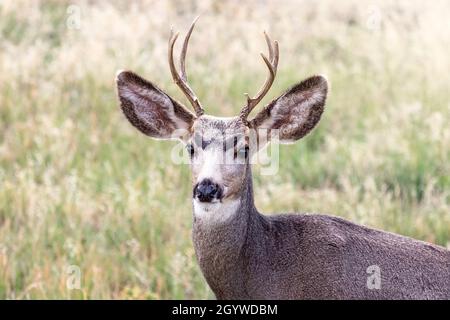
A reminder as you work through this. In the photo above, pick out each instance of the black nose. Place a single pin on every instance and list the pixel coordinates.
(206, 191)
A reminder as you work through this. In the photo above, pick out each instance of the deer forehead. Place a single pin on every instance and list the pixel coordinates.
(209, 128)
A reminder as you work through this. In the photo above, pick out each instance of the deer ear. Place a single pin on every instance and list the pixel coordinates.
(151, 110)
(295, 113)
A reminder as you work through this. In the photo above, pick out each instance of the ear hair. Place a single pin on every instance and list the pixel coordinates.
(149, 109)
(295, 113)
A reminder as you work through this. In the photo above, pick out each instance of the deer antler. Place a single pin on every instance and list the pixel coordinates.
(272, 64)
(181, 79)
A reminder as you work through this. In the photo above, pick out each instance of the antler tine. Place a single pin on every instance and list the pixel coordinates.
(272, 65)
(181, 80)
(172, 39)
(184, 51)
(269, 45)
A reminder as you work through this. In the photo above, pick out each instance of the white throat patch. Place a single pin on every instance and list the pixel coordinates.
(216, 212)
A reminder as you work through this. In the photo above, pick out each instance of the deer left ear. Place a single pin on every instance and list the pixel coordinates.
(295, 113)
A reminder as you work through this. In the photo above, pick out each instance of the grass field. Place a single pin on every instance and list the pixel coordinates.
(84, 196)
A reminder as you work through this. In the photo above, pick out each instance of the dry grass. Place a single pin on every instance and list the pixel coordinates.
(79, 186)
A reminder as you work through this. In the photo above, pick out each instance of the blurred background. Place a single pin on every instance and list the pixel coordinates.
(90, 208)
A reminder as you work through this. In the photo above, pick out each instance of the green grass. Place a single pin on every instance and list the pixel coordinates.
(80, 187)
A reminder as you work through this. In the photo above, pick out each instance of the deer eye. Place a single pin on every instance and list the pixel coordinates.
(243, 152)
(190, 150)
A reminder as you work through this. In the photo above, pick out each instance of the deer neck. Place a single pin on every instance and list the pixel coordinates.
(219, 240)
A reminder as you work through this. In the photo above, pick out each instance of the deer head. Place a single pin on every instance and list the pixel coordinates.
(220, 148)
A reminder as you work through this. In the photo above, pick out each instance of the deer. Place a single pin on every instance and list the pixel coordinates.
(244, 254)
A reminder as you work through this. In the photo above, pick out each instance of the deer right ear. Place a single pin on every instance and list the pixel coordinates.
(151, 110)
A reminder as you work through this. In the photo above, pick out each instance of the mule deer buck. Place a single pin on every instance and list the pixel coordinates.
(246, 255)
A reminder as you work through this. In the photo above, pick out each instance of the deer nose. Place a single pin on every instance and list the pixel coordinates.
(207, 190)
